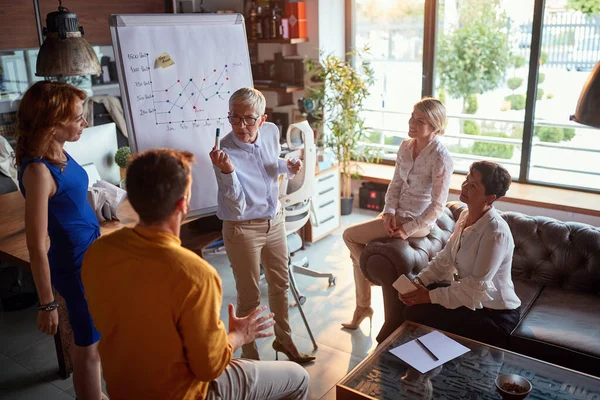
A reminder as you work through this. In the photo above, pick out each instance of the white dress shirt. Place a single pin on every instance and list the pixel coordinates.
(482, 256)
(419, 188)
(251, 191)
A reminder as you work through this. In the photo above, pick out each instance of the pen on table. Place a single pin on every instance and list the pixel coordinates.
(217, 143)
(427, 350)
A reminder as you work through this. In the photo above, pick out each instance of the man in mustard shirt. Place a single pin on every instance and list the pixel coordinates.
(157, 304)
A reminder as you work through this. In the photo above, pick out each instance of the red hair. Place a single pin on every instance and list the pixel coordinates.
(45, 107)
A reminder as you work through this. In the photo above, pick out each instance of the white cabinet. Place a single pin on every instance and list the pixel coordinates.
(326, 205)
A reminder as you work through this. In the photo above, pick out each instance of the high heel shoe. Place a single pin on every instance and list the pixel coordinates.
(358, 317)
(303, 359)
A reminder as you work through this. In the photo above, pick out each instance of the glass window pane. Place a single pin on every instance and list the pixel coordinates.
(563, 152)
(13, 74)
(393, 30)
(482, 58)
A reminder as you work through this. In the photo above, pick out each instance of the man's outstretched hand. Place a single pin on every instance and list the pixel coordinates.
(247, 329)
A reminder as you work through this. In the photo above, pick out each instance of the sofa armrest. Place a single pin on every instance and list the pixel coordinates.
(398, 254)
(384, 258)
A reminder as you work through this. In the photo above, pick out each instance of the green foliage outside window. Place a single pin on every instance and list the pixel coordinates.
(517, 101)
(373, 137)
(517, 61)
(553, 134)
(442, 95)
(540, 93)
(471, 127)
(472, 104)
(473, 58)
(590, 7)
(484, 149)
(514, 83)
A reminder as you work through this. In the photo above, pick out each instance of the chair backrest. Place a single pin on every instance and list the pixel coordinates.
(295, 193)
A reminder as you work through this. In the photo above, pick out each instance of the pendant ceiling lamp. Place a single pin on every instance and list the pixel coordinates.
(65, 52)
(588, 106)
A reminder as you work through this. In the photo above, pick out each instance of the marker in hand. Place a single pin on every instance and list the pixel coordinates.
(217, 143)
(294, 165)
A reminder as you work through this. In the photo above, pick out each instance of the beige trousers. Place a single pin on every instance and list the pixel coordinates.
(250, 244)
(356, 238)
(260, 380)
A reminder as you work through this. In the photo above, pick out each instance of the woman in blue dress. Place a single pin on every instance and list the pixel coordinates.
(55, 191)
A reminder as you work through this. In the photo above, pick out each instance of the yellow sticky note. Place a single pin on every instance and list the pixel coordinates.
(164, 60)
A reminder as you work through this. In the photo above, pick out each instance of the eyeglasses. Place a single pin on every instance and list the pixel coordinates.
(248, 121)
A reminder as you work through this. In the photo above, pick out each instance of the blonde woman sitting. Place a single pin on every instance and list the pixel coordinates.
(414, 200)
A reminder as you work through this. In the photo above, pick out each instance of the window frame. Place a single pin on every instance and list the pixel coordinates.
(428, 84)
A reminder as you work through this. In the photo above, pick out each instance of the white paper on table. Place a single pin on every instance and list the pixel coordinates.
(444, 348)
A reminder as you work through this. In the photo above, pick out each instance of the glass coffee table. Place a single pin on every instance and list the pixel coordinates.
(469, 377)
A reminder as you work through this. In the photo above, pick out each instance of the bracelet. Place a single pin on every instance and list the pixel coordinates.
(419, 281)
(48, 307)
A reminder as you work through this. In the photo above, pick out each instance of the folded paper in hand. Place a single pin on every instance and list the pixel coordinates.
(403, 285)
(418, 353)
(105, 198)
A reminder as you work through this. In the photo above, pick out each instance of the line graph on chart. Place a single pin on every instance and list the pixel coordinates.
(197, 99)
(189, 98)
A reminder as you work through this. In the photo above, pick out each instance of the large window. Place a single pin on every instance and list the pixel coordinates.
(393, 32)
(562, 152)
(501, 106)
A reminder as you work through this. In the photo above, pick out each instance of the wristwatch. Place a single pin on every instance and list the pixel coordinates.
(418, 281)
(48, 307)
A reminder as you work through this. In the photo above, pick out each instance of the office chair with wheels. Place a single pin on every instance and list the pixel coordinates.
(295, 196)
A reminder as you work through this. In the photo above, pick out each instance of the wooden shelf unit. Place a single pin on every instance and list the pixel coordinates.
(283, 90)
(279, 41)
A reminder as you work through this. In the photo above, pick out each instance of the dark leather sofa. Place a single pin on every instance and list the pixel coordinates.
(556, 272)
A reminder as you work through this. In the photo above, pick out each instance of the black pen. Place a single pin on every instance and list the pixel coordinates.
(427, 350)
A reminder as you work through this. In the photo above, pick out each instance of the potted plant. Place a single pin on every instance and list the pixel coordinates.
(339, 103)
(122, 158)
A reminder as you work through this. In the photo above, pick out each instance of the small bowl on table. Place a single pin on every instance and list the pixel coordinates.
(513, 387)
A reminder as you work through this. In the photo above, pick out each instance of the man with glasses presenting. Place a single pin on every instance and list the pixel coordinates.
(247, 169)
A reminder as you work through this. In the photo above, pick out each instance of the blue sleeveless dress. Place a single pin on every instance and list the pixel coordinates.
(72, 227)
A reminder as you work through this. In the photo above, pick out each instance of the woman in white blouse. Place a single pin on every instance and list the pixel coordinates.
(480, 302)
(415, 198)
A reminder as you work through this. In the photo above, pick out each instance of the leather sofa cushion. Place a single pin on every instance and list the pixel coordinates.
(562, 327)
(555, 253)
(527, 291)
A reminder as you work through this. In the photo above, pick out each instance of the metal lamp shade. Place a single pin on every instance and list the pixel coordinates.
(588, 106)
(65, 52)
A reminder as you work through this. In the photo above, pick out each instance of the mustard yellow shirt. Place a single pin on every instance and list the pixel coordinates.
(157, 306)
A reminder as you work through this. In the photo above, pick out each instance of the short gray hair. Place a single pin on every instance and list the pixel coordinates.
(249, 96)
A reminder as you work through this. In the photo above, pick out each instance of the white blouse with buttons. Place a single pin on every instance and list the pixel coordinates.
(419, 187)
(481, 256)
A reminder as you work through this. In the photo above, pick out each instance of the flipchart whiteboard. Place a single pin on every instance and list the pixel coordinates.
(181, 105)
